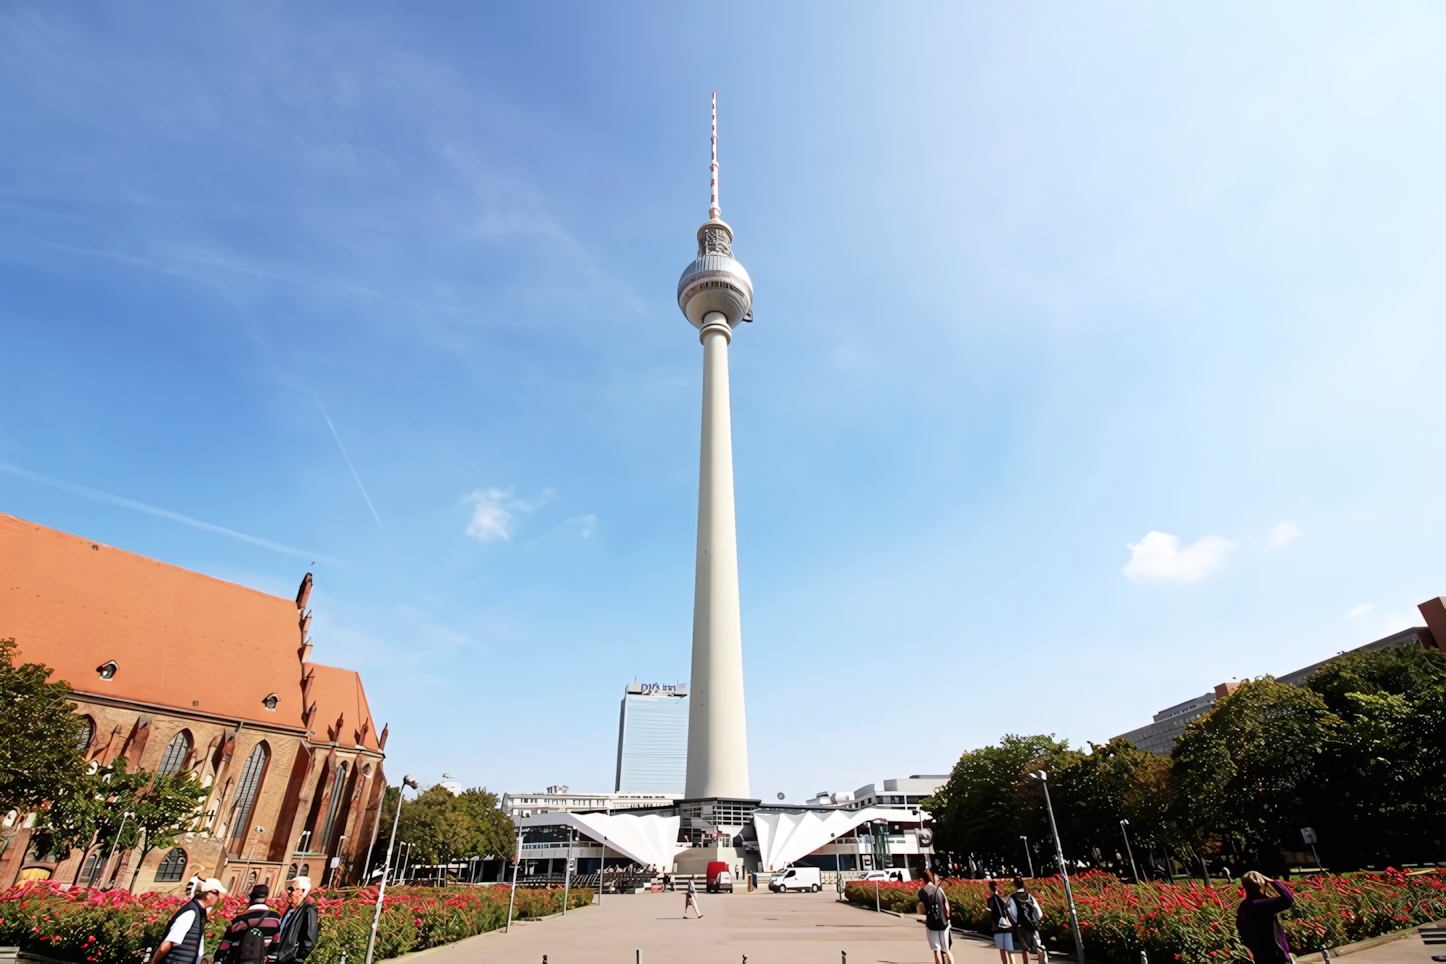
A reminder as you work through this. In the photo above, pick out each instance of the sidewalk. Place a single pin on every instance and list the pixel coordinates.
(768, 928)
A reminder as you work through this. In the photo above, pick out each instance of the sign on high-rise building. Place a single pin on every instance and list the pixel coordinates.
(653, 739)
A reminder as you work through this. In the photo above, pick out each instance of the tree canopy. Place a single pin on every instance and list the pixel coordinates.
(443, 826)
(41, 757)
(1358, 754)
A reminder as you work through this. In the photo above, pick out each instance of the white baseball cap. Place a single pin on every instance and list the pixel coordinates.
(211, 885)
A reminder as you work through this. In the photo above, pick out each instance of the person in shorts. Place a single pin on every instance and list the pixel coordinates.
(934, 905)
(1027, 915)
(1001, 920)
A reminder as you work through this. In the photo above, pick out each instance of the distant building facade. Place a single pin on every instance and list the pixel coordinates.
(177, 671)
(900, 793)
(1168, 726)
(653, 739)
(560, 799)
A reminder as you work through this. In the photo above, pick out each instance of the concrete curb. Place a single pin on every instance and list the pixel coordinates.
(1368, 943)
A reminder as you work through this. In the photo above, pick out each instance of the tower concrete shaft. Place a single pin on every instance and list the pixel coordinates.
(717, 730)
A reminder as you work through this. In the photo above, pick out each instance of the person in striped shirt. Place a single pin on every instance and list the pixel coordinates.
(253, 934)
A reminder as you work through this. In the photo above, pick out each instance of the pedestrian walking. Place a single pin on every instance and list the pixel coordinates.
(668, 881)
(934, 905)
(299, 925)
(185, 941)
(1027, 915)
(692, 900)
(1256, 919)
(251, 938)
(1001, 920)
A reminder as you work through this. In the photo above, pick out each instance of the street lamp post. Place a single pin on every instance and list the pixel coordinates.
(382, 890)
(1043, 779)
(512, 898)
(119, 830)
(1027, 855)
(1133, 869)
(567, 871)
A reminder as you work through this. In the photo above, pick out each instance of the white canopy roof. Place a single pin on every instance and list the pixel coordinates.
(649, 839)
(783, 837)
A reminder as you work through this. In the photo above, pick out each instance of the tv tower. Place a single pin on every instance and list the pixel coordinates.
(716, 294)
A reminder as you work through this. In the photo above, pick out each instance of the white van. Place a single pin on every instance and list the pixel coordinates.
(796, 878)
(891, 873)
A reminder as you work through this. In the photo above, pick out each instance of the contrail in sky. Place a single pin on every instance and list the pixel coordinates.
(348, 461)
(99, 496)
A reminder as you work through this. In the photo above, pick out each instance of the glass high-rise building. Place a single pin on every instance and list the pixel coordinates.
(653, 739)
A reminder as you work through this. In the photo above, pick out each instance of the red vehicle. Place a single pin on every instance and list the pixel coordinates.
(720, 878)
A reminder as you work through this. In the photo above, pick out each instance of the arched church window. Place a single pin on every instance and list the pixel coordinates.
(172, 867)
(246, 790)
(177, 752)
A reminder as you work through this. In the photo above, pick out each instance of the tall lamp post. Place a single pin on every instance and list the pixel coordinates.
(1133, 869)
(1027, 855)
(1043, 779)
(391, 842)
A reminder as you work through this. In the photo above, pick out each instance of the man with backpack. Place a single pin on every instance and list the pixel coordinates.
(1027, 915)
(934, 905)
(251, 938)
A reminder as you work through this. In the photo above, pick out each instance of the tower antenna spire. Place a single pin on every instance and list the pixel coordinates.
(714, 212)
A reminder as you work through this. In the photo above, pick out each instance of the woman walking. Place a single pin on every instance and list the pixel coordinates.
(691, 900)
(1256, 920)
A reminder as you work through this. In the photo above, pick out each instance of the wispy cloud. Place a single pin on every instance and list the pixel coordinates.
(1364, 609)
(1160, 556)
(95, 495)
(583, 525)
(494, 512)
(1281, 534)
(348, 462)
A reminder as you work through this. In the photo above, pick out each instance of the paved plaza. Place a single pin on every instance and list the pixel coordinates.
(768, 928)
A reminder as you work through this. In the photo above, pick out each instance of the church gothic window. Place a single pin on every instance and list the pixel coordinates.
(246, 789)
(177, 752)
(172, 867)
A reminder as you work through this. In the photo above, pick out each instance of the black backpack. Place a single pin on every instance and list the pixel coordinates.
(1026, 913)
(934, 918)
(252, 947)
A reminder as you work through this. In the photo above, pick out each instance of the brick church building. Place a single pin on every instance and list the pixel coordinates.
(177, 671)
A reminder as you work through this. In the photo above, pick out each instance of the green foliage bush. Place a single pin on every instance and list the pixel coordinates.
(1192, 924)
(114, 927)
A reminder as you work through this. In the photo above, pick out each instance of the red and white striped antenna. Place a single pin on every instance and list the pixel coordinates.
(714, 212)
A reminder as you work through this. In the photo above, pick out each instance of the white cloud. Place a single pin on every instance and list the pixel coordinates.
(491, 518)
(1360, 610)
(1159, 555)
(494, 512)
(1282, 534)
(585, 525)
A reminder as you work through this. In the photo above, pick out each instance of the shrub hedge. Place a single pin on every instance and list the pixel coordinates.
(114, 927)
(1191, 923)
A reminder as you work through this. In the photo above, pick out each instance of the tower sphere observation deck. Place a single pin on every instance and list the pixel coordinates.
(715, 282)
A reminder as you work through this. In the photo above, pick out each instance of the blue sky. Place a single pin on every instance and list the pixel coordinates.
(391, 289)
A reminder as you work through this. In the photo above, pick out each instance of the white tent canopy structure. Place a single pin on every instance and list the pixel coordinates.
(784, 837)
(648, 839)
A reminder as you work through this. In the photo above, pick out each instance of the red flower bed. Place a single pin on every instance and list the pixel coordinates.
(99, 927)
(1192, 923)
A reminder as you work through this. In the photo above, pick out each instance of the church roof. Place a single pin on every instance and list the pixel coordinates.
(342, 714)
(178, 638)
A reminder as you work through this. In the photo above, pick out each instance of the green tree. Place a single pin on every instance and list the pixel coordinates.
(443, 827)
(989, 800)
(1248, 771)
(165, 807)
(1115, 781)
(41, 757)
(1382, 792)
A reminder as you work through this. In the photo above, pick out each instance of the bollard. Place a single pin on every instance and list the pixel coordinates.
(1325, 952)
(544, 959)
(343, 957)
(1143, 958)
(845, 957)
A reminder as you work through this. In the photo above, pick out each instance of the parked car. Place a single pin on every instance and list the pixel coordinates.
(796, 878)
(887, 874)
(719, 877)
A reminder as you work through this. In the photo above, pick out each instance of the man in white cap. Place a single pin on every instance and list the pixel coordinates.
(185, 941)
(298, 925)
